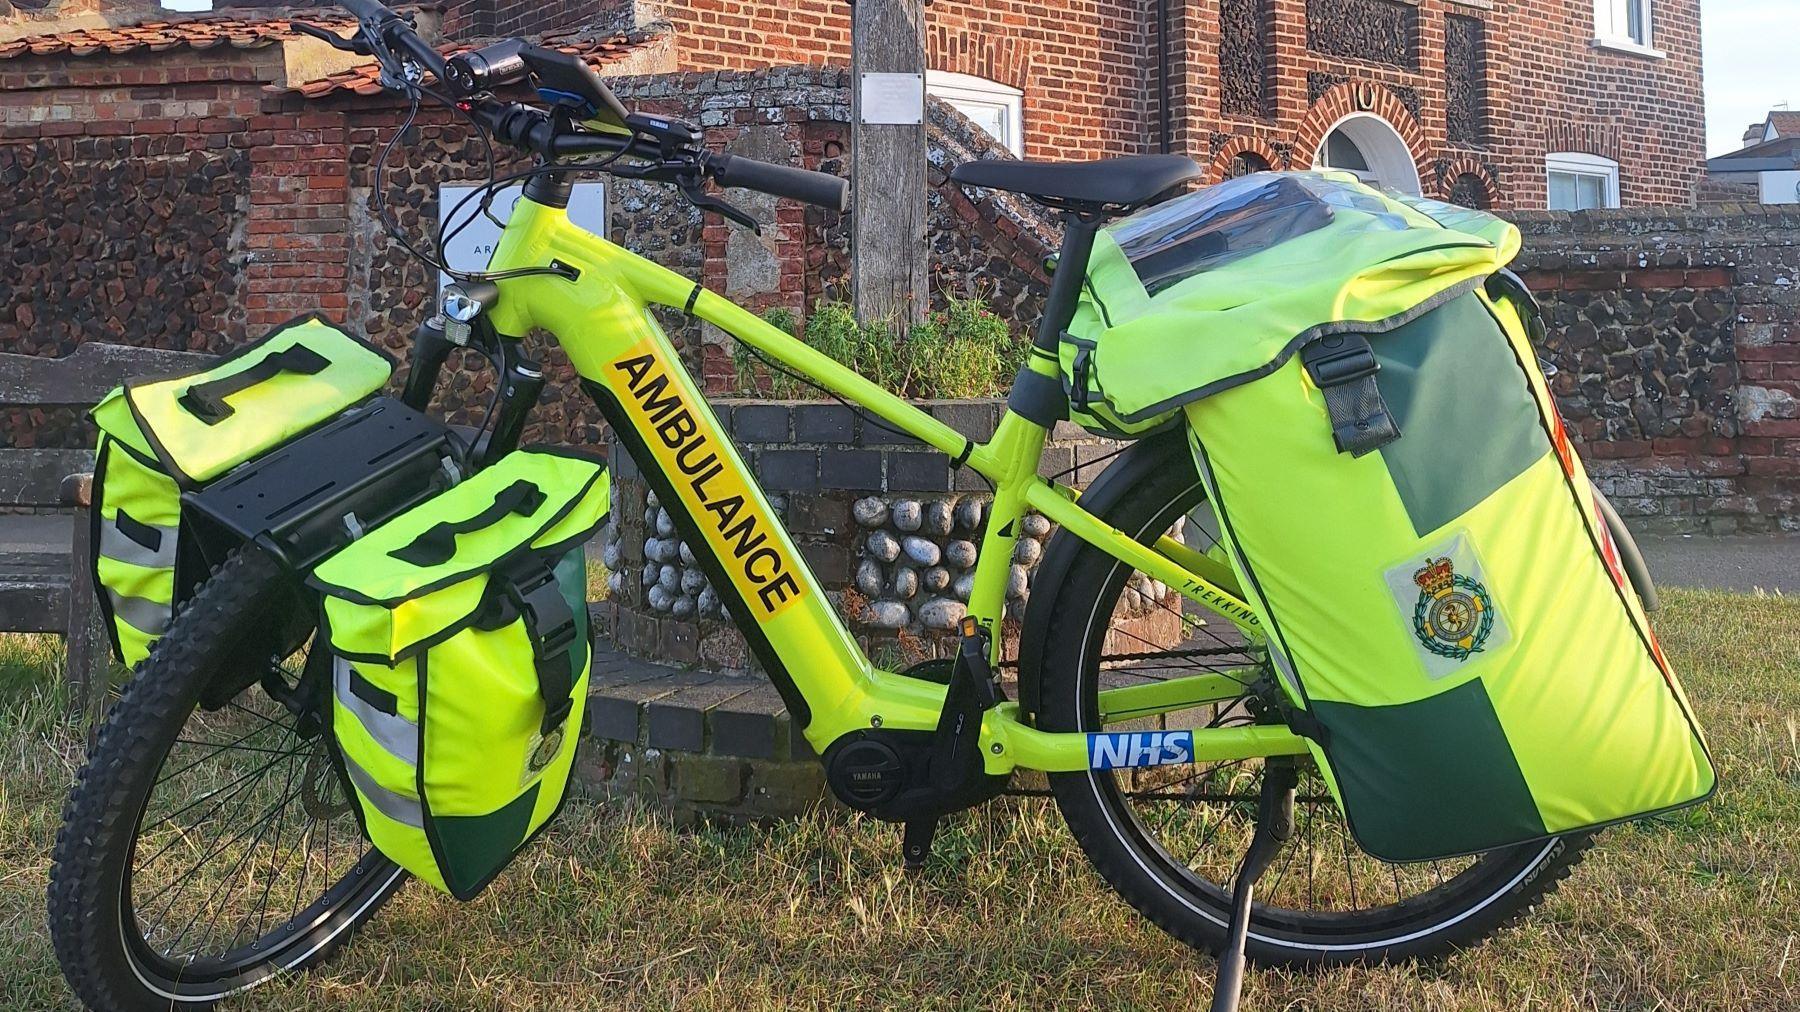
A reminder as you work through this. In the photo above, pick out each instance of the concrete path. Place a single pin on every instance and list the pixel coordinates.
(1768, 562)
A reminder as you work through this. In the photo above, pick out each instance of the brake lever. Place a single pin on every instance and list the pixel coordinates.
(354, 44)
(691, 188)
(686, 175)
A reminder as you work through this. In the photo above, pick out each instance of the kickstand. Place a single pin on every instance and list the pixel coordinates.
(915, 841)
(1274, 824)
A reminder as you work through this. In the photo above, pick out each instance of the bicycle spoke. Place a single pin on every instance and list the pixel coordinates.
(277, 826)
(263, 823)
(247, 777)
(234, 742)
(241, 748)
(222, 902)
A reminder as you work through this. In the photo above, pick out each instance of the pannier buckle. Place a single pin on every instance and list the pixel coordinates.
(1078, 375)
(1335, 361)
(1343, 367)
(547, 614)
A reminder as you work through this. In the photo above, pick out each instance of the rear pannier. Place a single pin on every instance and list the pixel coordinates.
(1445, 606)
(460, 632)
(162, 437)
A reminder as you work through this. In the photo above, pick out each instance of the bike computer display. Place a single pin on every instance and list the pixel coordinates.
(566, 80)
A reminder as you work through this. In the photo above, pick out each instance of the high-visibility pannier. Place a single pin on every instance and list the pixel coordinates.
(460, 638)
(162, 437)
(1446, 609)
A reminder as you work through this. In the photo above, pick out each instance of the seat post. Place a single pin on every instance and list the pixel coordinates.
(1065, 283)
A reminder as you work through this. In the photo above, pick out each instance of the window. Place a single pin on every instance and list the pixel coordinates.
(1580, 182)
(1368, 147)
(990, 105)
(1341, 152)
(1625, 25)
(1245, 163)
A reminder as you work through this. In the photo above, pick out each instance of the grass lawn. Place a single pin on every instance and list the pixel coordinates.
(617, 910)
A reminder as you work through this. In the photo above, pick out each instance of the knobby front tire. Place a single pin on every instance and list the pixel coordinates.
(1169, 839)
(203, 851)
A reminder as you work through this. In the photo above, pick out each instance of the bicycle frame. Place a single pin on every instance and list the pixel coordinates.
(598, 310)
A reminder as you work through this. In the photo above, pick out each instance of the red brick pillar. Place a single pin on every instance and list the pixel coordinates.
(297, 237)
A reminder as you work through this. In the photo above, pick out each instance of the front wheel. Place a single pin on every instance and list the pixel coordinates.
(1168, 838)
(208, 844)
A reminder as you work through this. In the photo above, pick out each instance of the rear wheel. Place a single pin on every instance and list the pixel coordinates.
(1169, 838)
(208, 844)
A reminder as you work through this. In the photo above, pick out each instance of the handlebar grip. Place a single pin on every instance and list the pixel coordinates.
(395, 32)
(420, 50)
(820, 189)
(367, 10)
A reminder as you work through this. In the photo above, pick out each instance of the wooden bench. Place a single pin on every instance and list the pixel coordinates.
(45, 557)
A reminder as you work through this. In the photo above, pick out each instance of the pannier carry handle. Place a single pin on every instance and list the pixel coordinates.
(206, 401)
(1343, 367)
(437, 545)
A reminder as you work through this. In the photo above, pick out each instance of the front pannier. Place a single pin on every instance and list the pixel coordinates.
(1445, 606)
(162, 437)
(460, 635)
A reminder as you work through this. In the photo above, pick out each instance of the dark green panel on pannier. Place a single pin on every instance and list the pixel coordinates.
(571, 582)
(474, 847)
(1467, 421)
(1441, 762)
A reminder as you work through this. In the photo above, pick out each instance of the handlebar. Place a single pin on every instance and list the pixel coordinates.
(528, 128)
(677, 155)
(820, 189)
(387, 30)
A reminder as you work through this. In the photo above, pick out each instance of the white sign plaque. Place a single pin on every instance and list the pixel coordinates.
(893, 99)
(474, 245)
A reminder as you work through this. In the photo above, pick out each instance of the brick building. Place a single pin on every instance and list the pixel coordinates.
(187, 183)
(1566, 104)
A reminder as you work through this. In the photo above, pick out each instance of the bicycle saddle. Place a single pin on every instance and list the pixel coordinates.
(1111, 184)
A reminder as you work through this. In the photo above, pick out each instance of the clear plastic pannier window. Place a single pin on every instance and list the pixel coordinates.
(1174, 241)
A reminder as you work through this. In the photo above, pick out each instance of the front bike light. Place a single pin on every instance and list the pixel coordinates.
(464, 301)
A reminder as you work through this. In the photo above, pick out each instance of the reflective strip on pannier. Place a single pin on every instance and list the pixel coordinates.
(161, 436)
(461, 634)
(1403, 508)
(125, 540)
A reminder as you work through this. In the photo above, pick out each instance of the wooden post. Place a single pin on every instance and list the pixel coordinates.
(887, 160)
(89, 652)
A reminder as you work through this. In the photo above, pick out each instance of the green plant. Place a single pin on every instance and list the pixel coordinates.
(963, 351)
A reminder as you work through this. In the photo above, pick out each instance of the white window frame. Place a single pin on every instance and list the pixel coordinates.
(953, 87)
(1390, 161)
(1580, 163)
(1612, 20)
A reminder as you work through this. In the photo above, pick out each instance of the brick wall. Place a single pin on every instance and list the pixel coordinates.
(1480, 93)
(1080, 62)
(1558, 94)
(128, 198)
(1676, 343)
(126, 210)
(168, 200)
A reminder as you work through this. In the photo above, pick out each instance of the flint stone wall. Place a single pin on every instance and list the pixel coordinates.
(1675, 339)
(886, 525)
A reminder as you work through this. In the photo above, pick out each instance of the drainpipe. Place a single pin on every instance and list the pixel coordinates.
(1165, 130)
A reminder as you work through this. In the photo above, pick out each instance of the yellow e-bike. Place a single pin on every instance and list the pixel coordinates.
(208, 844)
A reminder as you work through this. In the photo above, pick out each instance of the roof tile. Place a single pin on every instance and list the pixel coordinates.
(597, 49)
(1787, 122)
(243, 31)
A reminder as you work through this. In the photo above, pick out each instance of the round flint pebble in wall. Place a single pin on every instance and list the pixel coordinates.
(926, 583)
